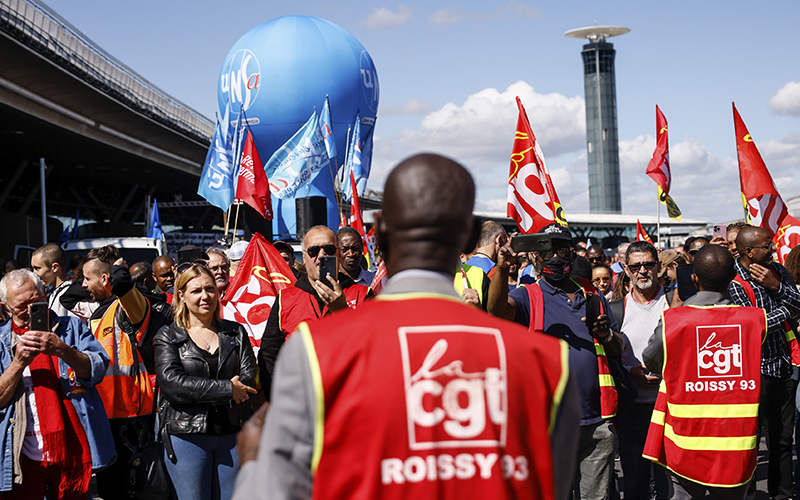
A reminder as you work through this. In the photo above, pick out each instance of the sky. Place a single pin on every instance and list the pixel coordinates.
(449, 73)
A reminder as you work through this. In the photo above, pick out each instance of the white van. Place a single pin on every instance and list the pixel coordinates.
(133, 250)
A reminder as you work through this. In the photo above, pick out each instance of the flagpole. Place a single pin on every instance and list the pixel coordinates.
(658, 218)
(235, 221)
(226, 219)
(341, 182)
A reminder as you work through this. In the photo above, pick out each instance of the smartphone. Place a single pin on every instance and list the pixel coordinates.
(720, 230)
(685, 286)
(593, 308)
(536, 242)
(328, 265)
(40, 316)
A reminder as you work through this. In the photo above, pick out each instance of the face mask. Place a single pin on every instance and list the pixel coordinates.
(556, 268)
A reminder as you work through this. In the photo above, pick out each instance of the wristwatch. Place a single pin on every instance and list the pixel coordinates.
(607, 338)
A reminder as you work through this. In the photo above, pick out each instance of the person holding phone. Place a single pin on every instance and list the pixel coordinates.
(321, 291)
(638, 314)
(206, 371)
(51, 415)
(559, 307)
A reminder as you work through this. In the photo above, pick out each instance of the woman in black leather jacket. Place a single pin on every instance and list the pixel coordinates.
(206, 371)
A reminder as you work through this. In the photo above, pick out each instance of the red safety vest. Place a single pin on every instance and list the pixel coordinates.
(609, 398)
(791, 338)
(126, 389)
(297, 305)
(705, 423)
(422, 396)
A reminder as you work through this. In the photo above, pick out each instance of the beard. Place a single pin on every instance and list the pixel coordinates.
(642, 285)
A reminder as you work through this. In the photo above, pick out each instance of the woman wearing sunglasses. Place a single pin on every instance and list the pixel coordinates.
(206, 372)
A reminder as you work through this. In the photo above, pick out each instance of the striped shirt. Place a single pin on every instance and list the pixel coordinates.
(780, 306)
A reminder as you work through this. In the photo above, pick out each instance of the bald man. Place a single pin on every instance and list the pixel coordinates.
(309, 298)
(707, 319)
(762, 282)
(424, 396)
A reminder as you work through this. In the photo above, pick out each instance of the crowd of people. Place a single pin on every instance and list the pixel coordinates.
(477, 371)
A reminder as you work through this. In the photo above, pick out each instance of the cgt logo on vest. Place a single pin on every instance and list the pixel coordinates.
(455, 384)
(719, 351)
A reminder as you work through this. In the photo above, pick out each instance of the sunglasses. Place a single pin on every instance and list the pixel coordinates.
(601, 280)
(186, 265)
(561, 252)
(650, 265)
(313, 251)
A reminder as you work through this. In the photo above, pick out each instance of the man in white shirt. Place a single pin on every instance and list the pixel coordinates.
(638, 314)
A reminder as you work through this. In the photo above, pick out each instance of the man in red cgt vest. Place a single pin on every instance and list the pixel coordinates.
(416, 394)
(705, 423)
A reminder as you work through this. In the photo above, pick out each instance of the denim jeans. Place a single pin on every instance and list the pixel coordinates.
(777, 408)
(632, 429)
(205, 467)
(596, 450)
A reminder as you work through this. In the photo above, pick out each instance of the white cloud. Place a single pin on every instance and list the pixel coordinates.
(444, 17)
(518, 9)
(703, 186)
(787, 100)
(414, 106)
(480, 132)
(385, 18)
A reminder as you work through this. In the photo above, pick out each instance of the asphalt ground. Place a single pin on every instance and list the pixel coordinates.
(761, 472)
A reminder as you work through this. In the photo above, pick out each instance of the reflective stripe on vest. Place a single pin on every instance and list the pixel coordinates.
(791, 338)
(126, 389)
(459, 404)
(704, 424)
(609, 398)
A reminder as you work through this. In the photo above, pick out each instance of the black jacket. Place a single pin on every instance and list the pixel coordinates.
(183, 376)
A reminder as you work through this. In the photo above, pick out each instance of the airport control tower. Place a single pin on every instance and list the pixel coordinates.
(601, 117)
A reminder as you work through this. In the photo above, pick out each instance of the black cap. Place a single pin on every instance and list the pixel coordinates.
(282, 246)
(558, 232)
(190, 253)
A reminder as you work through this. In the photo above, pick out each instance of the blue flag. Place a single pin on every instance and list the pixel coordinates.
(298, 161)
(326, 126)
(64, 236)
(353, 162)
(155, 224)
(217, 181)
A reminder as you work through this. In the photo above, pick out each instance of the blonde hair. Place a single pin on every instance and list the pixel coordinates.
(179, 310)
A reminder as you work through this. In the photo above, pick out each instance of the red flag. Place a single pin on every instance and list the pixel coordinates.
(380, 279)
(532, 200)
(252, 186)
(641, 234)
(252, 291)
(355, 209)
(762, 202)
(658, 168)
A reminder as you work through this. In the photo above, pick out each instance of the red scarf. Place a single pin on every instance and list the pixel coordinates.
(64, 440)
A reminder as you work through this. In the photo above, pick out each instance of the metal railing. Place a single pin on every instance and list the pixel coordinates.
(41, 29)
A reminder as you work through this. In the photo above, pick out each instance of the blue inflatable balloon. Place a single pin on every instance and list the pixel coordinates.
(278, 73)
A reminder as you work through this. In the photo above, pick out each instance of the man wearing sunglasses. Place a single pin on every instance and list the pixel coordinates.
(556, 305)
(762, 282)
(638, 314)
(312, 296)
